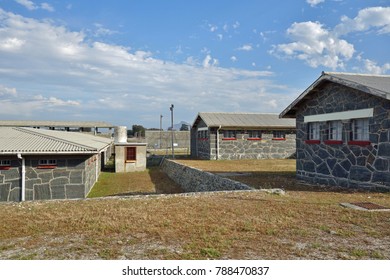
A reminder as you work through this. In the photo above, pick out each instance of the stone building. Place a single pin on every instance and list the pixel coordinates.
(343, 131)
(129, 157)
(40, 164)
(242, 136)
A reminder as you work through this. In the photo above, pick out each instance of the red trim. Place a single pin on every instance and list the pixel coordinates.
(47, 166)
(312, 141)
(333, 142)
(232, 138)
(254, 139)
(359, 143)
(5, 167)
(279, 139)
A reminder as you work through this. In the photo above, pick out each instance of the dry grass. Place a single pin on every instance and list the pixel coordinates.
(150, 181)
(231, 225)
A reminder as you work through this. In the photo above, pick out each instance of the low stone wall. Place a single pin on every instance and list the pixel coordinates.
(195, 180)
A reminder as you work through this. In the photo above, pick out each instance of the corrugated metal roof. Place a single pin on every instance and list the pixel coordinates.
(377, 85)
(34, 141)
(29, 123)
(246, 120)
(377, 82)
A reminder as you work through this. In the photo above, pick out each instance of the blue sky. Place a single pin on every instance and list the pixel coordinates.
(125, 61)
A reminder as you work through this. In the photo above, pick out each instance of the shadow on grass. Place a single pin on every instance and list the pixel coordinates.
(286, 180)
(149, 182)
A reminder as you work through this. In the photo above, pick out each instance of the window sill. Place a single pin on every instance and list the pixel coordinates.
(333, 142)
(279, 139)
(359, 143)
(227, 139)
(5, 167)
(254, 139)
(312, 142)
(47, 166)
(130, 161)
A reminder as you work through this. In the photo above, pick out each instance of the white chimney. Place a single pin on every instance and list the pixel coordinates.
(120, 134)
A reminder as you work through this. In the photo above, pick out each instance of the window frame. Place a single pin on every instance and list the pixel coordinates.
(254, 135)
(313, 133)
(5, 164)
(360, 138)
(133, 155)
(334, 132)
(229, 135)
(279, 135)
(47, 163)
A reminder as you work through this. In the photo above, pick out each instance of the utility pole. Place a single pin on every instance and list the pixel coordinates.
(161, 116)
(172, 132)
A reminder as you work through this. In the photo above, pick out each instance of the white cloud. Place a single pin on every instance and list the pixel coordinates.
(245, 47)
(30, 5)
(373, 68)
(61, 74)
(233, 58)
(209, 61)
(47, 7)
(319, 46)
(316, 46)
(314, 3)
(373, 17)
(27, 4)
(7, 92)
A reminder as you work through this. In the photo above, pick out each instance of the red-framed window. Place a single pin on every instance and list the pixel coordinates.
(5, 164)
(47, 163)
(131, 153)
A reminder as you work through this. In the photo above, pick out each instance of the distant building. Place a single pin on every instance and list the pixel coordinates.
(343, 131)
(40, 164)
(81, 126)
(242, 136)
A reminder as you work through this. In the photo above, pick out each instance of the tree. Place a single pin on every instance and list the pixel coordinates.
(184, 127)
(138, 130)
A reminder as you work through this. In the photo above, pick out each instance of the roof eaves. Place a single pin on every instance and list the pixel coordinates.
(37, 133)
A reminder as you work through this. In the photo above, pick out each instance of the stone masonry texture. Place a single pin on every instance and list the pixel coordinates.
(195, 180)
(73, 177)
(346, 165)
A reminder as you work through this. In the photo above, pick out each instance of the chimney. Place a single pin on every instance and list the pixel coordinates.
(120, 134)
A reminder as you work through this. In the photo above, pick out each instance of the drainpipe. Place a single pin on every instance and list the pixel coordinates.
(218, 141)
(23, 191)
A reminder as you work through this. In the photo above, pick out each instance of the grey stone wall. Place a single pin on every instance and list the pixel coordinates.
(345, 165)
(195, 180)
(242, 148)
(266, 148)
(73, 177)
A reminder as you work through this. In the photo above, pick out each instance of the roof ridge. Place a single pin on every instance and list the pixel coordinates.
(235, 113)
(50, 137)
(354, 74)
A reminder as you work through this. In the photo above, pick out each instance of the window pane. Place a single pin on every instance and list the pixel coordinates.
(314, 131)
(131, 153)
(361, 129)
(335, 130)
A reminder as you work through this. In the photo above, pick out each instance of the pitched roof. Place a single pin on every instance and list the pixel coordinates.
(29, 123)
(377, 85)
(245, 120)
(37, 141)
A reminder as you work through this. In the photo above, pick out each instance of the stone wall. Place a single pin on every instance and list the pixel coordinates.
(345, 165)
(72, 177)
(266, 148)
(195, 180)
(244, 148)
